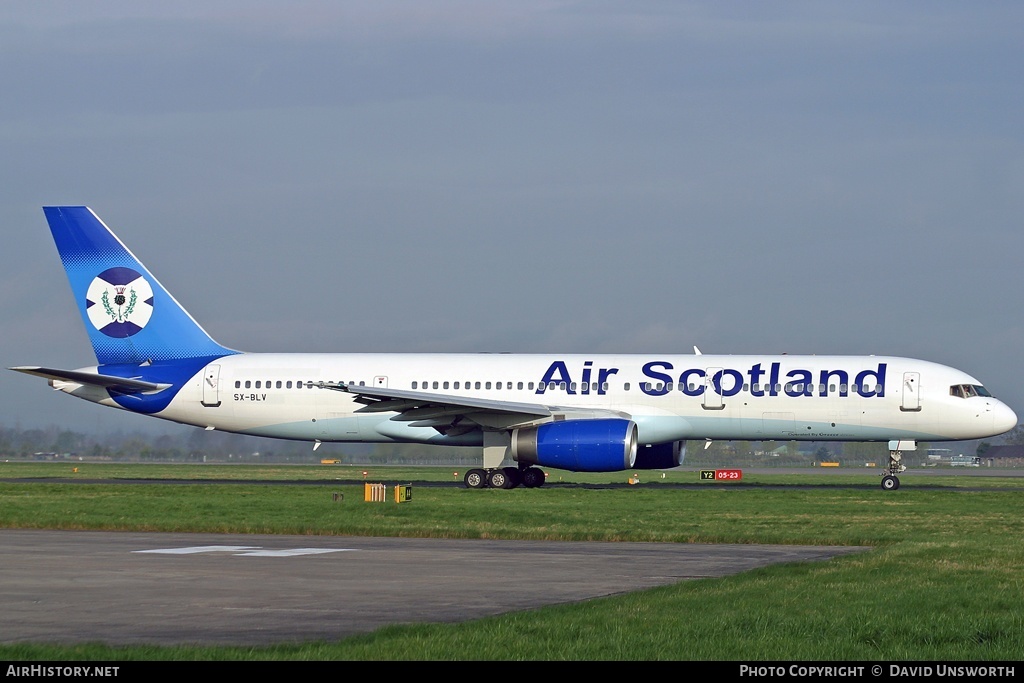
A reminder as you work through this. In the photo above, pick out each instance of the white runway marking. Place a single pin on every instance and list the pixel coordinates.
(200, 549)
(244, 551)
(290, 552)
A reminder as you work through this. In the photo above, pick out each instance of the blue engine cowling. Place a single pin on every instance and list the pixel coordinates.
(660, 456)
(604, 445)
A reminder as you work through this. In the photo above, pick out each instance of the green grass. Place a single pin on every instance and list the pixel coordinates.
(71, 470)
(943, 581)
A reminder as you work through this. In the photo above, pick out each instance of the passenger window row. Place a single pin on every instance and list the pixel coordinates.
(960, 390)
(282, 384)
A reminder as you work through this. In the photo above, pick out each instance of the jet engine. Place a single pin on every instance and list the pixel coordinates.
(599, 445)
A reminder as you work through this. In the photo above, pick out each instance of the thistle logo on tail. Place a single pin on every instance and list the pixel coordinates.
(119, 302)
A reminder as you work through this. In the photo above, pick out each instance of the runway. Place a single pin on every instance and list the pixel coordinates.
(233, 589)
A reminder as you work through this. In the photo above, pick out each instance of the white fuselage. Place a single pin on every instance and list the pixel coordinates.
(670, 397)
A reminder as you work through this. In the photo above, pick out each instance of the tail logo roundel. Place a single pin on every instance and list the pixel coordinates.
(119, 302)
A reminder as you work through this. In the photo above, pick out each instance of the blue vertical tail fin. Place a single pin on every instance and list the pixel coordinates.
(129, 316)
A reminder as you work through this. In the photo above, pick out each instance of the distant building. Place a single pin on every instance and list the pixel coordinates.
(1004, 456)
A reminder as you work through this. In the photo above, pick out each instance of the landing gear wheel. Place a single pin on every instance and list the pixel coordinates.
(496, 479)
(533, 477)
(890, 482)
(512, 477)
(475, 479)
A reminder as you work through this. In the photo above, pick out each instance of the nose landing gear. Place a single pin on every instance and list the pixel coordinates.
(890, 482)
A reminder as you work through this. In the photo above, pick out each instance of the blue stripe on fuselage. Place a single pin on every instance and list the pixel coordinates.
(174, 372)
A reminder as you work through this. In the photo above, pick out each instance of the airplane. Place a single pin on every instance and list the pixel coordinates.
(575, 412)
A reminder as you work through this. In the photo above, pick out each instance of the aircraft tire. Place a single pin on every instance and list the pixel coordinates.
(533, 477)
(890, 482)
(496, 479)
(475, 479)
(513, 477)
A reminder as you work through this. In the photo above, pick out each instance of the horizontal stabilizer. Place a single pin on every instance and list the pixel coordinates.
(91, 378)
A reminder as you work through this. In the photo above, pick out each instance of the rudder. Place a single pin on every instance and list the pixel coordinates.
(128, 315)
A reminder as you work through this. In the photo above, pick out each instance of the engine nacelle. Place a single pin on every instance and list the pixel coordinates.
(661, 456)
(604, 445)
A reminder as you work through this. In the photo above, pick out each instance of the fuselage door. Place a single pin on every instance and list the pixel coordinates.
(211, 386)
(911, 391)
(712, 398)
(380, 381)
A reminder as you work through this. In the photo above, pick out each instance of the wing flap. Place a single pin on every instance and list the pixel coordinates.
(446, 412)
(404, 401)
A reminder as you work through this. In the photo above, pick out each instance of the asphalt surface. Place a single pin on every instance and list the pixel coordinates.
(135, 588)
(175, 588)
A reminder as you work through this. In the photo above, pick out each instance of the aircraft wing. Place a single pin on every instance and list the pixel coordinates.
(123, 384)
(423, 409)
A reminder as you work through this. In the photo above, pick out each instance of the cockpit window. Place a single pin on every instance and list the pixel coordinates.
(968, 390)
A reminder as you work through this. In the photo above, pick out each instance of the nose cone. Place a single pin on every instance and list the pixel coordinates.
(1003, 418)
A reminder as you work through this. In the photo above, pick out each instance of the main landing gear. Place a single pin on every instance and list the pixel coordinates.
(504, 478)
(890, 482)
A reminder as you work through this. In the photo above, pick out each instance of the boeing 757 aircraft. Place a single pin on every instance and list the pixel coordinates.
(578, 412)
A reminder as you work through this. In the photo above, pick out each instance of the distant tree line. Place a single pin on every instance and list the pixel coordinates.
(811, 453)
(198, 445)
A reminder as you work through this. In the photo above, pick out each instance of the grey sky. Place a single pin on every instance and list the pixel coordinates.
(804, 177)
